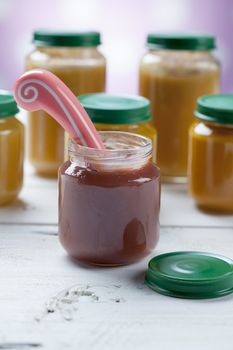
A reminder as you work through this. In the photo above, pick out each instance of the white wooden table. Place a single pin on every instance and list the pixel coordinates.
(49, 302)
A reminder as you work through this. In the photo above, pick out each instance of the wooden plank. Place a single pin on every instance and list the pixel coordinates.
(38, 205)
(178, 209)
(48, 300)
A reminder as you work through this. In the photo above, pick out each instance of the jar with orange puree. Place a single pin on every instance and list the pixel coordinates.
(177, 69)
(211, 154)
(11, 149)
(77, 61)
(121, 113)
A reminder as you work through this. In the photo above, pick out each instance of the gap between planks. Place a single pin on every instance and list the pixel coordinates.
(44, 224)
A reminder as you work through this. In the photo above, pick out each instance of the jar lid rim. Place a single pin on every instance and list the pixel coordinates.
(181, 41)
(140, 148)
(215, 108)
(190, 274)
(116, 109)
(8, 106)
(44, 38)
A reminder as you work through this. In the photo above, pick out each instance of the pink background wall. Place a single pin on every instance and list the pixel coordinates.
(123, 24)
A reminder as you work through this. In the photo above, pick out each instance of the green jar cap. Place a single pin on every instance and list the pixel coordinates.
(215, 108)
(193, 275)
(112, 109)
(44, 38)
(8, 106)
(181, 41)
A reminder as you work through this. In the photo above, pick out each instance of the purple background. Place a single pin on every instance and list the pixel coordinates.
(123, 24)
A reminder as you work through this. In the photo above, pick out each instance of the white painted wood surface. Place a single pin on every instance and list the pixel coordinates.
(49, 302)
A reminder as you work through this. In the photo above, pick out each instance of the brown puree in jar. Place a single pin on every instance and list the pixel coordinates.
(109, 217)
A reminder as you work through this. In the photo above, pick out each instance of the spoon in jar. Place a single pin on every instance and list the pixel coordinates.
(41, 89)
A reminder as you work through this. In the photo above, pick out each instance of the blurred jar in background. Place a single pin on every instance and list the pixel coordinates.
(11, 149)
(210, 170)
(175, 71)
(77, 61)
(120, 113)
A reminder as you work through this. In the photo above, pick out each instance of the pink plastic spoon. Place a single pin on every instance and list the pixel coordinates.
(40, 89)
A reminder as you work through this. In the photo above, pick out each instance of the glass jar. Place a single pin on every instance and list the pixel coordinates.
(76, 60)
(11, 149)
(109, 201)
(210, 171)
(176, 70)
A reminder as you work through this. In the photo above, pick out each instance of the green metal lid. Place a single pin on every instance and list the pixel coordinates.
(66, 39)
(194, 275)
(215, 108)
(8, 106)
(112, 109)
(181, 41)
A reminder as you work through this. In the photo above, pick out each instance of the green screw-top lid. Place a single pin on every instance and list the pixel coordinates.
(215, 108)
(194, 275)
(8, 106)
(112, 109)
(66, 39)
(181, 41)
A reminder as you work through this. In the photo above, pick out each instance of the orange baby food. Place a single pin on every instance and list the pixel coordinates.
(11, 149)
(211, 154)
(75, 59)
(173, 74)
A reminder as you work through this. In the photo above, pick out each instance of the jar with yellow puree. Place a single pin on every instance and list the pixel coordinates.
(11, 149)
(177, 69)
(77, 61)
(210, 170)
(121, 113)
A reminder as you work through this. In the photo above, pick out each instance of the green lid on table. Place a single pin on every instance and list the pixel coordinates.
(45, 38)
(8, 106)
(181, 41)
(215, 108)
(193, 275)
(113, 109)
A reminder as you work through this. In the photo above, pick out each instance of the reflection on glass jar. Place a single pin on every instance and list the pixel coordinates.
(76, 60)
(173, 74)
(11, 149)
(211, 154)
(109, 201)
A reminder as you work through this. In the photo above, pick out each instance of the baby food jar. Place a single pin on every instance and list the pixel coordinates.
(211, 154)
(76, 60)
(109, 200)
(121, 113)
(173, 74)
(11, 149)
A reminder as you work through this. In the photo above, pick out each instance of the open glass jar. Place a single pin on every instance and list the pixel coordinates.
(77, 61)
(177, 69)
(210, 170)
(11, 149)
(109, 201)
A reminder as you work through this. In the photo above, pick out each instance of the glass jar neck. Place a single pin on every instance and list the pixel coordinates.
(67, 52)
(124, 151)
(194, 52)
(5, 118)
(217, 125)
